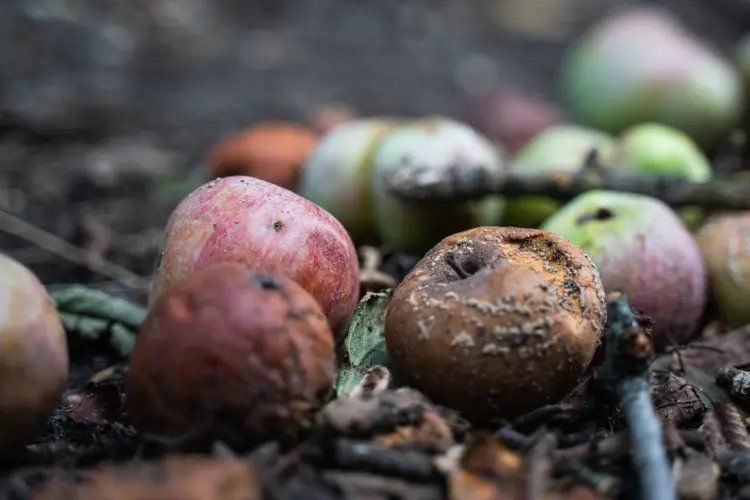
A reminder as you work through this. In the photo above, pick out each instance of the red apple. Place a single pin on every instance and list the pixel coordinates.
(268, 228)
(510, 117)
(33, 356)
(231, 354)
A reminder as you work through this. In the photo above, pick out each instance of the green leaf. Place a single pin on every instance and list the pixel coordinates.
(91, 315)
(364, 342)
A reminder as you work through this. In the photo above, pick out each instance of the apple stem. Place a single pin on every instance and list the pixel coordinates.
(625, 373)
(411, 184)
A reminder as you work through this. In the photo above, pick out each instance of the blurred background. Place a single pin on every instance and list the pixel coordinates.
(109, 109)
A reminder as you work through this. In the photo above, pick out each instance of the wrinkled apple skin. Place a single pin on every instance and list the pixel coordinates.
(641, 247)
(268, 228)
(230, 354)
(724, 241)
(652, 148)
(33, 356)
(640, 65)
(438, 143)
(562, 148)
(337, 176)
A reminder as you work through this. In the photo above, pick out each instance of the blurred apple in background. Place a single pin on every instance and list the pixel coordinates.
(435, 144)
(271, 151)
(509, 117)
(640, 65)
(652, 148)
(338, 174)
(563, 148)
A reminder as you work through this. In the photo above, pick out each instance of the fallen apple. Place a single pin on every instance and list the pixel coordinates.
(562, 148)
(271, 151)
(510, 117)
(641, 65)
(641, 248)
(33, 356)
(434, 145)
(656, 149)
(724, 241)
(338, 176)
(496, 321)
(230, 354)
(268, 228)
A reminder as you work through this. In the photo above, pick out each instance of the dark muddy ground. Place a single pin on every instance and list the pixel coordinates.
(106, 114)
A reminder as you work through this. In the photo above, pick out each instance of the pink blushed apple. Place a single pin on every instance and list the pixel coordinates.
(269, 229)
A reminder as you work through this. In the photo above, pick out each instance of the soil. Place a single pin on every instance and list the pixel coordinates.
(106, 116)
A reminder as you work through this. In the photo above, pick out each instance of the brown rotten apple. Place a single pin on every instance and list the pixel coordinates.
(33, 356)
(496, 321)
(270, 229)
(230, 354)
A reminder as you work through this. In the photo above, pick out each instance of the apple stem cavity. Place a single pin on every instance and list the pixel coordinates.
(628, 354)
(409, 183)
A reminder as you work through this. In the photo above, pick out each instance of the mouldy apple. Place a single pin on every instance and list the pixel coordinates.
(509, 117)
(271, 151)
(641, 65)
(724, 241)
(562, 148)
(230, 354)
(640, 247)
(496, 321)
(656, 149)
(253, 222)
(33, 356)
(338, 175)
(435, 144)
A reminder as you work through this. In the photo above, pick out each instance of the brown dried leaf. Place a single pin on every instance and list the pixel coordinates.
(676, 401)
(432, 434)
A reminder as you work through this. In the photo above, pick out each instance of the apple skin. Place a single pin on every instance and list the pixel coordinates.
(271, 151)
(438, 143)
(268, 228)
(562, 148)
(338, 178)
(641, 247)
(640, 65)
(496, 321)
(231, 354)
(509, 117)
(34, 359)
(653, 148)
(724, 241)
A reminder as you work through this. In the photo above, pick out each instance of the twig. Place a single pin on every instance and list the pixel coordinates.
(627, 357)
(538, 466)
(19, 227)
(412, 183)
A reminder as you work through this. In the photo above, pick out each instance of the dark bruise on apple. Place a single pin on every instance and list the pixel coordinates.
(497, 321)
(230, 354)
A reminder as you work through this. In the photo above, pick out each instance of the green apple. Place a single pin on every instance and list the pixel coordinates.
(437, 143)
(653, 148)
(337, 176)
(724, 242)
(641, 65)
(562, 148)
(641, 247)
